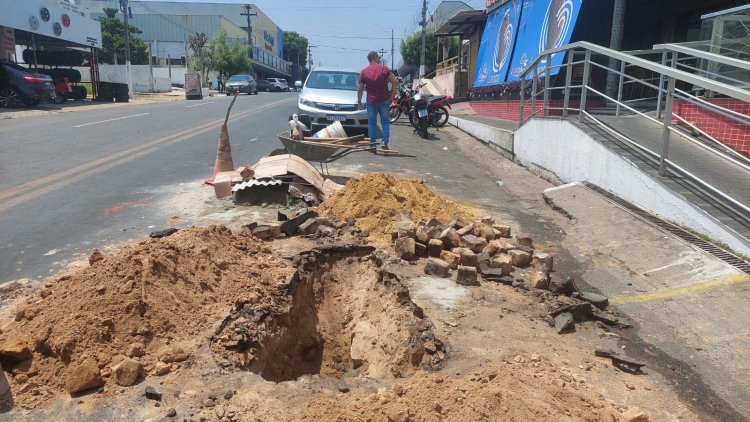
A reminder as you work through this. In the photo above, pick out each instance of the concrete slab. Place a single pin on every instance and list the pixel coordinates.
(684, 301)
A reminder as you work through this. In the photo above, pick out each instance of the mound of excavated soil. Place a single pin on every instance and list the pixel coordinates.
(516, 391)
(341, 315)
(375, 199)
(152, 302)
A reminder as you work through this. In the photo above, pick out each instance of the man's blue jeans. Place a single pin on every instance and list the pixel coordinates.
(382, 110)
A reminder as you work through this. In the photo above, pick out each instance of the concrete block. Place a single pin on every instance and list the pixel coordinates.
(469, 258)
(403, 229)
(542, 262)
(476, 244)
(405, 247)
(539, 280)
(484, 230)
(504, 231)
(451, 258)
(467, 276)
(519, 258)
(450, 237)
(434, 247)
(436, 267)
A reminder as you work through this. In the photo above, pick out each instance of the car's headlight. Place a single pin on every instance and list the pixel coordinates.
(306, 102)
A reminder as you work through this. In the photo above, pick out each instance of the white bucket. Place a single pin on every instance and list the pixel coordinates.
(331, 131)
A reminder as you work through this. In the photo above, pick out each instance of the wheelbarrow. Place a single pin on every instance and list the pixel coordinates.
(323, 151)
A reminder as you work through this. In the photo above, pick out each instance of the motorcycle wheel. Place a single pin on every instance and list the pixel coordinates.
(440, 117)
(394, 114)
(423, 127)
(413, 119)
(59, 99)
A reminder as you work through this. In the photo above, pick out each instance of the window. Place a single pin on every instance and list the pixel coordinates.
(345, 81)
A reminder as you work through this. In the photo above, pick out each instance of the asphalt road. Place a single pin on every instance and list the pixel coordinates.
(69, 181)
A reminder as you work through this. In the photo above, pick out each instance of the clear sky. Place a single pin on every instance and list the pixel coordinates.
(344, 31)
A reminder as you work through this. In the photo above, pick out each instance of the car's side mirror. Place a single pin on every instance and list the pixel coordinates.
(298, 84)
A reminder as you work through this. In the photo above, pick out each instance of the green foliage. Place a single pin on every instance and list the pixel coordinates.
(203, 52)
(411, 48)
(230, 58)
(295, 46)
(113, 40)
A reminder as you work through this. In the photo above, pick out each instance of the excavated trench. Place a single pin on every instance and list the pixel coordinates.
(339, 315)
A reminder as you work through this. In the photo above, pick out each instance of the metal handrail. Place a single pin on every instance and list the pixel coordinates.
(703, 55)
(673, 165)
(666, 74)
(706, 83)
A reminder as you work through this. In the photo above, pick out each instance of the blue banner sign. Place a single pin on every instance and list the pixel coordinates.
(517, 32)
(496, 47)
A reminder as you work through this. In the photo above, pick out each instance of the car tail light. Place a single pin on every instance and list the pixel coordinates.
(33, 79)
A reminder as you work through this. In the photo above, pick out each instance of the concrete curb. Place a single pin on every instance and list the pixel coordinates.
(500, 140)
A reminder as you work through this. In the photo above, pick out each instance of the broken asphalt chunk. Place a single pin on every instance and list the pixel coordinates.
(163, 233)
(595, 299)
(290, 226)
(624, 365)
(152, 394)
(564, 322)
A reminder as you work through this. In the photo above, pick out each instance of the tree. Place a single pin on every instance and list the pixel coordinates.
(113, 40)
(411, 49)
(203, 52)
(295, 48)
(231, 58)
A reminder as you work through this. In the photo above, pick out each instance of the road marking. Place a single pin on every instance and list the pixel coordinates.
(198, 105)
(679, 291)
(112, 120)
(55, 181)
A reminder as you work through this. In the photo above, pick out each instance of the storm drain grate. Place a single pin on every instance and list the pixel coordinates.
(681, 233)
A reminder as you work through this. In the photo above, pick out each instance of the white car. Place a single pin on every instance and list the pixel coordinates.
(330, 95)
(278, 84)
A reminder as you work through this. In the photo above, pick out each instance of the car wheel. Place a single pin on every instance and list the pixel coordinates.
(10, 98)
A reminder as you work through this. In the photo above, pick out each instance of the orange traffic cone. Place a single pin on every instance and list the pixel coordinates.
(224, 150)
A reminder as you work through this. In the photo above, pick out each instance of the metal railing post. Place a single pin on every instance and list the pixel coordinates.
(568, 81)
(661, 85)
(534, 77)
(523, 101)
(620, 87)
(547, 71)
(584, 83)
(667, 122)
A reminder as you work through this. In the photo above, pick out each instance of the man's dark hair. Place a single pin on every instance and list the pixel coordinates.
(372, 56)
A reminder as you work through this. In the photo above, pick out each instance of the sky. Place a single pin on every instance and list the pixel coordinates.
(343, 32)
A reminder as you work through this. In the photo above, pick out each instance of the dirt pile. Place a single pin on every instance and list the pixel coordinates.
(146, 306)
(524, 389)
(341, 315)
(375, 199)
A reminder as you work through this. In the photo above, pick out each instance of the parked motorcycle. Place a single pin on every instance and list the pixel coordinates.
(63, 89)
(437, 113)
(418, 114)
(402, 102)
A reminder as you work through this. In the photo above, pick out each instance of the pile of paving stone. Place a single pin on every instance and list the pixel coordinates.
(486, 250)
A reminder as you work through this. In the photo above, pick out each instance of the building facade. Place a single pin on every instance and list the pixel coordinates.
(167, 25)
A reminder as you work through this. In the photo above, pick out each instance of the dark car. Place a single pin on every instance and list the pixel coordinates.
(241, 83)
(20, 87)
(264, 85)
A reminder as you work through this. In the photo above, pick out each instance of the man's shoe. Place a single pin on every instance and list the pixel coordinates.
(385, 147)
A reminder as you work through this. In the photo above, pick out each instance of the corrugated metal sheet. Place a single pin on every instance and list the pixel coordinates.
(254, 182)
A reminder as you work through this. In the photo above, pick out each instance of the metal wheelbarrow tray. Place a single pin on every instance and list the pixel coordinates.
(319, 152)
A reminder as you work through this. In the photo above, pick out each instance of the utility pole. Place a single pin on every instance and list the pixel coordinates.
(424, 30)
(125, 8)
(309, 57)
(392, 51)
(249, 29)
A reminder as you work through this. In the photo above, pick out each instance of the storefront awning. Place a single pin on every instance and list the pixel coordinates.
(464, 23)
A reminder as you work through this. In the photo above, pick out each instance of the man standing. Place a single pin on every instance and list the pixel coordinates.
(375, 78)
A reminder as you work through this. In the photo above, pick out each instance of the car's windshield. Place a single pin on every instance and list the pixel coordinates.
(239, 78)
(346, 81)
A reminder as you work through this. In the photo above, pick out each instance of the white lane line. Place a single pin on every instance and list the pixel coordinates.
(111, 120)
(201, 104)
